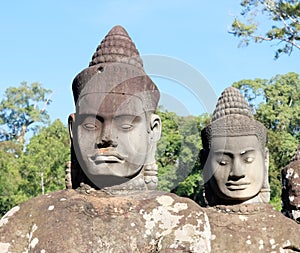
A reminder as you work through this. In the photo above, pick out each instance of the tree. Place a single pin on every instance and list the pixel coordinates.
(178, 154)
(20, 108)
(189, 167)
(282, 19)
(168, 149)
(10, 177)
(276, 104)
(43, 162)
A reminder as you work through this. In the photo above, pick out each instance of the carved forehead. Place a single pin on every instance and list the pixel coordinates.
(129, 83)
(235, 144)
(110, 104)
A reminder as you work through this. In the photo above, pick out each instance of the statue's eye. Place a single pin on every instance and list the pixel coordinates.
(125, 122)
(126, 126)
(90, 126)
(249, 159)
(222, 162)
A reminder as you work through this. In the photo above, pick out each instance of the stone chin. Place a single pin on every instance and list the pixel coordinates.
(111, 168)
(234, 193)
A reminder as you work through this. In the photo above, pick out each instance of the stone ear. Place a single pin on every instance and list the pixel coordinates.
(155, 127)
(265, 190)
(266, 156)
(71, 121)
(203, 154)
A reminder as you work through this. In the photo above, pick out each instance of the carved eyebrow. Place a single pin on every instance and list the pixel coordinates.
(248, 150)
(82, 117)
(223, 152)
(231, 154)
(118, 116)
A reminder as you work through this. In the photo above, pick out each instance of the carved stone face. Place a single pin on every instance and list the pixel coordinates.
(236, 166)
(112, 136)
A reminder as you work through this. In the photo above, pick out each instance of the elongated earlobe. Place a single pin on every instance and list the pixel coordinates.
(155, 127)
(267, 158)
(71, 121)
(265, 190)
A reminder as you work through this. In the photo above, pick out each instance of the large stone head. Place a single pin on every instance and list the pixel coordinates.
(291, 188)
(234, 157)
(114, 130)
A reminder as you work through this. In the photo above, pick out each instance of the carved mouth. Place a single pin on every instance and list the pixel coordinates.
(107, 155)
(235, 186)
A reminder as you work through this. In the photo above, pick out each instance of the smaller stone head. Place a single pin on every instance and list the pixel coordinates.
(115, 130)
(234, 157)
(291, 188)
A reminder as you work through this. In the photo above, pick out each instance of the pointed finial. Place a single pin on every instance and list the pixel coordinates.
(117, 46)
(232, 117)
(231, 102)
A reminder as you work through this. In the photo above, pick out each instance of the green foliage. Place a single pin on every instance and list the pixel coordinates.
(43, 162)
(178, 154)
(24, 166)
(10, 177)
(20, 108)
(37, 170)
(276, 103)
(283, 18)
(168, 150)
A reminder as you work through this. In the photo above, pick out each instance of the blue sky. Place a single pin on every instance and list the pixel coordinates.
(50, 41)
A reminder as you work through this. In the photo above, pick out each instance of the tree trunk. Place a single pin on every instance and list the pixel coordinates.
(42, 183)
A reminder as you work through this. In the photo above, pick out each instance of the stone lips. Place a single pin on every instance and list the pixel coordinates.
(115, 69)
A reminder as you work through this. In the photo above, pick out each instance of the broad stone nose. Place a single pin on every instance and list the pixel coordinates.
(237, 169)
(107, 138)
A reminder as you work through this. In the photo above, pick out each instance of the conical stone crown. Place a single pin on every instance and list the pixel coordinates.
(116, 61)
(231, 102)
(117, 46)
(232, 117)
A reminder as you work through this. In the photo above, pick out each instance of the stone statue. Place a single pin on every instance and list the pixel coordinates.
(236, 169)
(291, 188)
(237, 190)
(110, 204)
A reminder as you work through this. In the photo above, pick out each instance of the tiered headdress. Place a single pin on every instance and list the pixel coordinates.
(116, 67)
(232, 117)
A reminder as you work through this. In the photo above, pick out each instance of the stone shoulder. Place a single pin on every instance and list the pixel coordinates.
(72, 221)
(260, 229)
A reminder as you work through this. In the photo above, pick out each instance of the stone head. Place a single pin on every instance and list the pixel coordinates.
(291, 188)
(114, 130)
(234, 157)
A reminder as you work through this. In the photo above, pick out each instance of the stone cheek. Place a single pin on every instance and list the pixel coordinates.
(265, 230)
(67, 221)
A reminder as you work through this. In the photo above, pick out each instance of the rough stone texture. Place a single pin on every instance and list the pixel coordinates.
(94, 221)
(117, 46)
(232, 117)
(121, 217)
(116, 68)
(238, 225)
(252, 228)
(291, 188)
